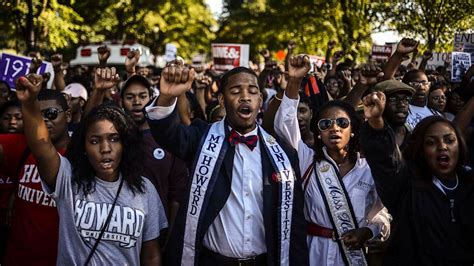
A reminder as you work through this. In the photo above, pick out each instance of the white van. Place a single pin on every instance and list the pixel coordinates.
(87, 54)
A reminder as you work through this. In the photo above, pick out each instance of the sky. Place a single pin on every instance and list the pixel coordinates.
(378, 38)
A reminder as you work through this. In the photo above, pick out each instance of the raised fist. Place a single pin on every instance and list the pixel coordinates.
(131, 61)
(176, 80)
(28, 87)
(103, 52)
(370, 74)
(338, 56)
(57, 61)
(202, 81)
(406, 46)
(105, 78)
(331, 44)
(291, 45)
(35, 64)
(427, 55)
(298, 66)
(265, 53)
(374, 104)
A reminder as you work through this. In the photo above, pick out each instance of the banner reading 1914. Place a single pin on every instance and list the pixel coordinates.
(226, 56)
(14, 66)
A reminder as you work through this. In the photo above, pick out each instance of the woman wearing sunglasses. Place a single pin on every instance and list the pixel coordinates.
(108, 213)
(342, 208)
(428, 190)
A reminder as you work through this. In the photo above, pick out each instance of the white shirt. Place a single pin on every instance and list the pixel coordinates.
(358, 182)
(238, 230)
(416, 114)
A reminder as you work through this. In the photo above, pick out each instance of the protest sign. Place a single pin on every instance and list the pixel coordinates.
(316, 61)
(226, 56)
(170, 52)
(460, 64)
(464, 42)
(15, 66)
(381, 52)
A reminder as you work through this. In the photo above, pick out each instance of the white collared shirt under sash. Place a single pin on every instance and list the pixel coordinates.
(238, 230)
(358, 182)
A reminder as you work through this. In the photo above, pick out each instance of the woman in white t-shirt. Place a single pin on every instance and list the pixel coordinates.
(109, 214)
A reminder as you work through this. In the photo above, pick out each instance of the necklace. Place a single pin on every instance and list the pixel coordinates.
(450, 188)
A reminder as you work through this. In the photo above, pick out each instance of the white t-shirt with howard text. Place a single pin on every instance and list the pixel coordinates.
(136, 218)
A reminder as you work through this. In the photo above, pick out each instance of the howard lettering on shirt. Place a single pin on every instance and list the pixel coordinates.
(125, 227)
(203, 175)
(29, 188)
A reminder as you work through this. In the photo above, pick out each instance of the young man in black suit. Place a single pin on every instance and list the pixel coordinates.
(245, 203)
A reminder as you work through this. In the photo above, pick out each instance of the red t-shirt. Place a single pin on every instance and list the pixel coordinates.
(34, 233)
(14, 146)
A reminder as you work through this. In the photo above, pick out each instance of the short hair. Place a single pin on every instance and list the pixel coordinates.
(414, 149)
(411, 75)
(45, 95)
(305, 99)
(438, 85)
(13, 103)
(225, 78)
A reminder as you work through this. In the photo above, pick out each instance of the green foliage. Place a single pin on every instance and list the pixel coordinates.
(272, 23)
(56, 25)
(434, 21)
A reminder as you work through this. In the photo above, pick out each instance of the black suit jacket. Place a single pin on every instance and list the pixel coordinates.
(184, 142)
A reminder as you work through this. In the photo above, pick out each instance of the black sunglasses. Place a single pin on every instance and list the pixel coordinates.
(51, 113)
(325, 123)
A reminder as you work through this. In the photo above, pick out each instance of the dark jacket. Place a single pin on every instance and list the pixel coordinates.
(425, 233)
(184, 142)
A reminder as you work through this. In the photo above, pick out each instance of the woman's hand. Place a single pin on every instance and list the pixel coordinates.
(355, 239)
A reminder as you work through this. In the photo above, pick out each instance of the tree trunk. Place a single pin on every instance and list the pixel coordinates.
(30, 28)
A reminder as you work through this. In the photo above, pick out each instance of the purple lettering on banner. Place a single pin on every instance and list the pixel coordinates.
(13, 67)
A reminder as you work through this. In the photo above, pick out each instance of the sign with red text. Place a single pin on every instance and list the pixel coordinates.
(381, 52)
(227, 56)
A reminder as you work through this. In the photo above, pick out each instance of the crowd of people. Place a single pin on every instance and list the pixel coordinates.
(292, 164)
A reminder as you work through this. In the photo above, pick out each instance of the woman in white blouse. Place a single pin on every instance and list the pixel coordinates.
(340, 219)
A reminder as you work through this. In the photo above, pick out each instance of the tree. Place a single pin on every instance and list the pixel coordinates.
(311, 23)
(186, 23)
(46, 24)
(434, 21)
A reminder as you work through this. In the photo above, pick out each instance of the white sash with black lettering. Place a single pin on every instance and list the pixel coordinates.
(341, 213)
(200, 181)
(282, 164)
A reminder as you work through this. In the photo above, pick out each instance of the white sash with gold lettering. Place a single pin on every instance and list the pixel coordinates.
(200, 180)
(341, 214)
(281, 163)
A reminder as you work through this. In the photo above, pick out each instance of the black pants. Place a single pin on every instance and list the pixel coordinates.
(210, 258)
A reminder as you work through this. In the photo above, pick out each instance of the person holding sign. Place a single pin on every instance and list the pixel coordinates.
(244, 203)
(428, 191)
(341, 202)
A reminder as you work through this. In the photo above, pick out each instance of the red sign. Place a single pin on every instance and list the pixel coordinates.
(381, 52)
(229, 56)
